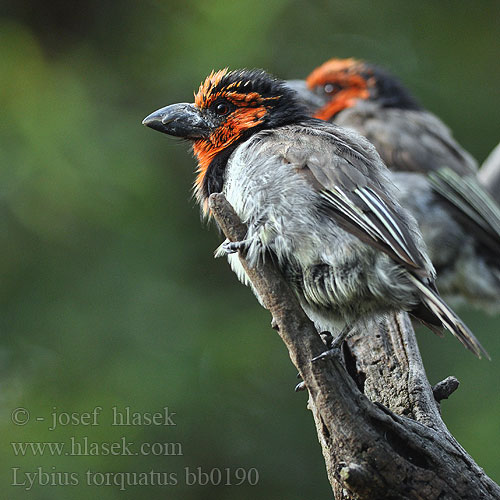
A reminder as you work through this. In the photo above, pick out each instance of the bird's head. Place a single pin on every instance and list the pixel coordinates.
(228, 108)
(339, 84)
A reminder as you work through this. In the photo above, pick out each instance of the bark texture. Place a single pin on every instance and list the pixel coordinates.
(376, 415)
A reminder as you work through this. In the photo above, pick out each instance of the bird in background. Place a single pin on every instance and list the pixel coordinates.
(436, 177)
(314, 195)
(489, 173)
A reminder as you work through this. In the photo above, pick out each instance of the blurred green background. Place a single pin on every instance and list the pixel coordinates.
(109, 291)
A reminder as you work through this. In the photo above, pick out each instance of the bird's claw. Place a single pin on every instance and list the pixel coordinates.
(329, 354)
(301, 386)
(230, 247)
(333, 344)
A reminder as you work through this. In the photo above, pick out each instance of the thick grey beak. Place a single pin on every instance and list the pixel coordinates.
(179, 120)
(307, 97)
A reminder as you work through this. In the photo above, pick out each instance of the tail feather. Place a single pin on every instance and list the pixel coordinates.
(449, 319)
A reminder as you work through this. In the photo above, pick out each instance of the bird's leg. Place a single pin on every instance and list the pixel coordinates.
(252, 239)
(334, 347)
(327, 338)
(233, 246)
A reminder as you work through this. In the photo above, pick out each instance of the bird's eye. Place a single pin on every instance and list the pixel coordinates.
(222, 108)
(331, 88)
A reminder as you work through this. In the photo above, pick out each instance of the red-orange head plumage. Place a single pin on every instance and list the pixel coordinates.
(238, 103)
(229, 107)
(341, 83)
(344, 81)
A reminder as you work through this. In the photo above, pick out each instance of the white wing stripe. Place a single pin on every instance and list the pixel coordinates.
(342, 203)
(347, 211)
(363, 219)
(382, 215)
(382, 205)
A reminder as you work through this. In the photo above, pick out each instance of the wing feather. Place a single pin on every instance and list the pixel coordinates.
(350, 177)
(466, 194)
(354, 189)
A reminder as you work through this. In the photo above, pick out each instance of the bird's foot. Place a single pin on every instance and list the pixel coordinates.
(230, 247)
(333, 350)
(327, 338)
(329, 354)
(333, 344)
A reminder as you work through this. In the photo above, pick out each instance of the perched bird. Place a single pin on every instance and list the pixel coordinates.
(314, 195)
(459, 220)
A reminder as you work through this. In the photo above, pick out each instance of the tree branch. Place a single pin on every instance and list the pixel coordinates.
(376, 417)
(445, 388)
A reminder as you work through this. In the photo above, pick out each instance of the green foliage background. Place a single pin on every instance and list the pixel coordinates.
(109, 291)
